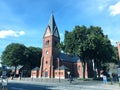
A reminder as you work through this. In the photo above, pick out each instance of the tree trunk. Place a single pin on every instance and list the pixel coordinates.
(98, 70)
(94, 69)
(84, 67)
(15, 71)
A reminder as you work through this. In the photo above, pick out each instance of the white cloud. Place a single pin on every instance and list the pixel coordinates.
(21, 33)
(12, 33)
(113, 42)
(115, 9)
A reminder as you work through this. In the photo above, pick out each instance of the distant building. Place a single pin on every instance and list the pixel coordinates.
(0, 62)
(53, 63)
(118, 46)
(35, 72)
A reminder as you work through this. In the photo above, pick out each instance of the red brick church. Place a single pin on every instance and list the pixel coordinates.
(53, 63)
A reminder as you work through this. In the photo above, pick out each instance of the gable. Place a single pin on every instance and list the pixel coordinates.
(56, 33)
(48, 32)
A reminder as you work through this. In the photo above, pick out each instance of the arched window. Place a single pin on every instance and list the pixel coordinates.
(47, 43)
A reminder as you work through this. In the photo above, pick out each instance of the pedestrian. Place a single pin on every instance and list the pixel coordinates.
(71, 79)
(111, 78)
(104, 79)
(119, 81)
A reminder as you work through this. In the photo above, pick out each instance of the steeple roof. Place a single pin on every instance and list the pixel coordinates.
(53, 27)
(52, 23)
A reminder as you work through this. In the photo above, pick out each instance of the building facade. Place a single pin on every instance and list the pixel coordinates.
(118, 46)
(53, 63)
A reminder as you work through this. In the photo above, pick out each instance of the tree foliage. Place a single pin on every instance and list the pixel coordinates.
(75, 43)
(115, 57)
(101, 51)
(16, 54)
(34, 57)
(89, 44)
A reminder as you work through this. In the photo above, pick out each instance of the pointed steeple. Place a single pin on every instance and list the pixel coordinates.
(53, 27)
(52, 23)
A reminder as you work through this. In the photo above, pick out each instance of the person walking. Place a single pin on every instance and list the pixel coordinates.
(104, 79)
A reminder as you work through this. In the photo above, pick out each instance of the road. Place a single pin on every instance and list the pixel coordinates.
(32, 85)
(25, 86)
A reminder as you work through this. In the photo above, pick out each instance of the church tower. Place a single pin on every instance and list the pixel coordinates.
(50, 52)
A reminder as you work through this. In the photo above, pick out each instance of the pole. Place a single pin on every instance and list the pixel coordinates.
(59, 68)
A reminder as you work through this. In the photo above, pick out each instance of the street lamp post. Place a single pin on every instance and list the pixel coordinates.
(69, 77)
(59, 68)
(68, 74)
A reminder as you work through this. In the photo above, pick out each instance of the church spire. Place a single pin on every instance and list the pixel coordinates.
(53, 26)
(52, 23)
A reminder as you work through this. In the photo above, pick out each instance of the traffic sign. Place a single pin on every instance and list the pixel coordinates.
(4, 67)
(4, 73)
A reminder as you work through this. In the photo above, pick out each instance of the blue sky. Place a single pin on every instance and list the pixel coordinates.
(25, 21)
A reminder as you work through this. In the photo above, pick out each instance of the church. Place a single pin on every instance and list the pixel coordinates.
(55, 64)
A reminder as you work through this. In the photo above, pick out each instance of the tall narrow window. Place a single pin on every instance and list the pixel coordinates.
(46, 62)
(47, 43)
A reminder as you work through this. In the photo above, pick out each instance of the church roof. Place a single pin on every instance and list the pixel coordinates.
(52, 23)
(53, 27)
(36, 68)
(65, 57)
(63, 68)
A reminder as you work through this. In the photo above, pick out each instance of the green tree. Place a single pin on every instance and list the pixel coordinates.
(99, 46)
(34, 57)
(115, 57)
(89, 44)
(14, 55)
(67, 46)
(75, 43)
(80, 37)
